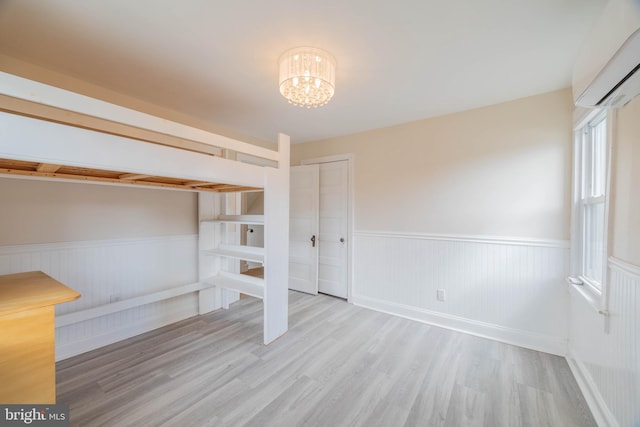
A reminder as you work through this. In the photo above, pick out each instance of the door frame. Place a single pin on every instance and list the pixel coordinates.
(349, 157)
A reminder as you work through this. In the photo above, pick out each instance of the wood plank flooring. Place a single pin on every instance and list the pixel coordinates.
(339, 365)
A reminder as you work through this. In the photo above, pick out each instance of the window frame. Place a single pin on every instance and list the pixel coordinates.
(596, 294)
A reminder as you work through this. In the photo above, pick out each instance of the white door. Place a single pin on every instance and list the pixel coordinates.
(333, 257)
(303, 229)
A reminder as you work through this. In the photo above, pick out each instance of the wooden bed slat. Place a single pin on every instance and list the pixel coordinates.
(196, 184)
(45, 167)
(132, 176)
(51, 171)
(18, 164)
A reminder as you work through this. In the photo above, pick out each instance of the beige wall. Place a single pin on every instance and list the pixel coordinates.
(502, 170)
(626, 184)
(43, 212)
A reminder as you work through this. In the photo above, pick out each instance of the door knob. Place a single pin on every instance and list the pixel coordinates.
(313, 241)
(342, 240)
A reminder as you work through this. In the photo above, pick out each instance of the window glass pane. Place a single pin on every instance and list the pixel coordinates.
(585, 165)
(598, 158)
(593, 242)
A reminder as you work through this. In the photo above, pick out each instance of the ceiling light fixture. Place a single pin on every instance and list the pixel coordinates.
(307, 76)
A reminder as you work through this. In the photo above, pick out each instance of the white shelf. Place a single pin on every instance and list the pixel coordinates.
(237, 219)
(242, 283)
(247, 253)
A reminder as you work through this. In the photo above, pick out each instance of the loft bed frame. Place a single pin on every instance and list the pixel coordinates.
(48, 133)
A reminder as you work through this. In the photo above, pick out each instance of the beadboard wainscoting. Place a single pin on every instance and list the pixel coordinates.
(510, 290)
(141, 284)
(604, 352)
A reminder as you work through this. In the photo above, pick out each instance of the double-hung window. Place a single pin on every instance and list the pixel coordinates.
(589, 242)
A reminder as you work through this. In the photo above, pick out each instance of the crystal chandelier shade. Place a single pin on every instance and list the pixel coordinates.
(307, 76)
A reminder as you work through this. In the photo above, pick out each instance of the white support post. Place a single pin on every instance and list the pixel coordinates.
(230, 206)
(209, 235)
(276, 243)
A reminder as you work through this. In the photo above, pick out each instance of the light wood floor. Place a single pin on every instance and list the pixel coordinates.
(339, 365)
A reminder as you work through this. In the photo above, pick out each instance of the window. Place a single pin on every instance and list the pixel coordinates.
(589, 246)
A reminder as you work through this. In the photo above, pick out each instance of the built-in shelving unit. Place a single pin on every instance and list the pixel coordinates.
(242, 283)
(221, 251)
(222, 232)
(247, 253)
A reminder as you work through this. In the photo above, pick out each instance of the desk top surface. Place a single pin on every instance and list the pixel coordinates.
(26, 291)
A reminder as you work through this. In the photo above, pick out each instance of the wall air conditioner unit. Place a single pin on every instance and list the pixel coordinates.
(607, 71)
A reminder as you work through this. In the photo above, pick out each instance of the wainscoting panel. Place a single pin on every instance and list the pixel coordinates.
(109, 271)
(511, 290)
(604, 351)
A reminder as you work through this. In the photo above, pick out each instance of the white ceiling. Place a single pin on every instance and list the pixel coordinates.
(398, 61)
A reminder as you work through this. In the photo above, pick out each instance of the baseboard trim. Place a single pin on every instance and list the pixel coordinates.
(533, 341)
(596, 403)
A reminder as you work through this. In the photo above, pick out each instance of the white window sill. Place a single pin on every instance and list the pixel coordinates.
(590, 295)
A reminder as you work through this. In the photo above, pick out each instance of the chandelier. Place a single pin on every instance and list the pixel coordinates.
(307, 76)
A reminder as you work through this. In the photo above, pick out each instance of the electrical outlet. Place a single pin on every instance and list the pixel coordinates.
(441, 295)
